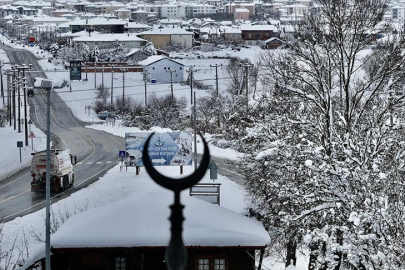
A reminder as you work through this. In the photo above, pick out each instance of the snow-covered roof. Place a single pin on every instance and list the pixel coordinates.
(271, 39)
(166, 31)
(142, 221)
(95, 36)
(230, 30)
(241, 10)
(265, 27)
(98, 21)
(135, 25)
(154, 58)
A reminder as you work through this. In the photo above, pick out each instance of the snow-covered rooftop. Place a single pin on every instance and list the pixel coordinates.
(266, 27)
(166, 31)
(142, 221)
(95, 36)
(98, 21)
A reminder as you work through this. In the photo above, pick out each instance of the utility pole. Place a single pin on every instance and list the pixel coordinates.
(1, 81)
(95, 75)
(216, 76)
(24, 86)
(47, 85)
(195, 134)
(102, 76)
(112, 84)
(246, 66)
(123, 85)
(171, 80)
(14, 89)
(144, 81)
(19, 100)
(191, 71)
(9, 93)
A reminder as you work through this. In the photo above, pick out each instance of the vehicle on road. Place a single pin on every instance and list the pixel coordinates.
(61, 170)
(30, 92)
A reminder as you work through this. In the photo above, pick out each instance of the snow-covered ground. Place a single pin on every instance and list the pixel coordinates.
(116, 184)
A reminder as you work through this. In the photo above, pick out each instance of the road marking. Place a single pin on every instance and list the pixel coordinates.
(15, 196)
(109, 162)
(89, 163)
(79, 163)
(99, 162)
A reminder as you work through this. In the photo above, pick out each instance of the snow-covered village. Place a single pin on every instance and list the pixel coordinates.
(202, 135)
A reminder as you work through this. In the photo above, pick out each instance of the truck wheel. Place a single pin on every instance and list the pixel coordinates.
(73, 180)
(63, 184)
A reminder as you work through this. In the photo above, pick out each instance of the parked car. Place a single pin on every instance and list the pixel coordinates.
(106, 114)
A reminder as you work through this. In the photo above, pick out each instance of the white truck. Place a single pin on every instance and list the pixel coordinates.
(61, 170)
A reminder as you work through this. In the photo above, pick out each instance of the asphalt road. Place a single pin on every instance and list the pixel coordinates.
(96, 151)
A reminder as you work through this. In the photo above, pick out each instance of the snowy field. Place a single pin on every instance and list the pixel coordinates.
(116, 184)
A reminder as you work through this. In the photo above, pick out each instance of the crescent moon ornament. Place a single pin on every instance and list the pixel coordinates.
(176, 254)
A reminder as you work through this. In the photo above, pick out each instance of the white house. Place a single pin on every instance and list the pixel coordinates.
(107, 41)
(159, 69)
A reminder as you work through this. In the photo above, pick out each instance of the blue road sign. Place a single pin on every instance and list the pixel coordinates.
(165, 149)
(121, 154)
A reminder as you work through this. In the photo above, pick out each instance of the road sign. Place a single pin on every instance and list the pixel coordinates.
(121, 154)
(19, 144)
(165, 149)
(31, 135)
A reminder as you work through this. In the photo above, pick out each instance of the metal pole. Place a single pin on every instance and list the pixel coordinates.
(123, 86)
(171, 81)
(112, 85)
(191, 84)
(25, 108)
(95, 74)
(14, 89)
(1, 81)
(146, 97)
(102, 76)
(19, 102)
(195, 135)
(216, 77)
(48, 182)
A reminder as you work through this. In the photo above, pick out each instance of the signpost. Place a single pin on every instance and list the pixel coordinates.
(122, 155)
(213, 170)
(32, 136)
(165, 149)
(19, 145)
(75, 70)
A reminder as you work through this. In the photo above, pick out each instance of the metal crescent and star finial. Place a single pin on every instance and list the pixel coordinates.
(176, 254)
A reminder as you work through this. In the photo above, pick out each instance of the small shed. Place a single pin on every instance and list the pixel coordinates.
(161, 69)
(273, 43)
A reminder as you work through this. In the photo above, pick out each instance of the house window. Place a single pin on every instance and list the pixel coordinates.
(211, 263)
(203, 264)
(120, 263)
(219, 264)
(181, 68)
